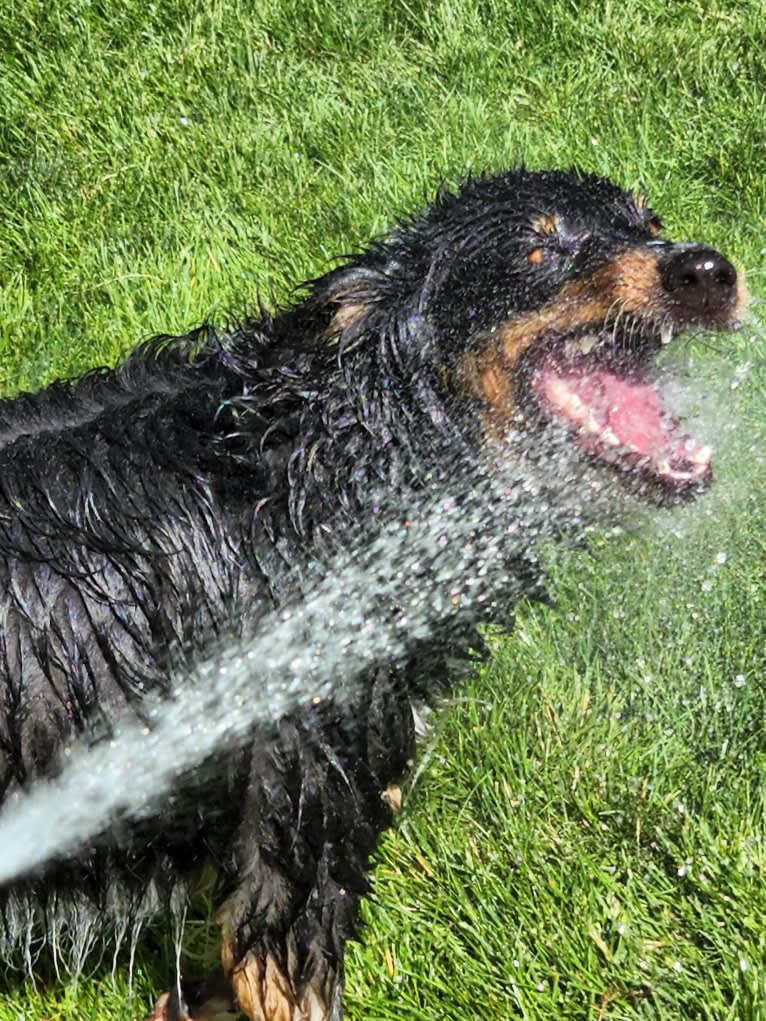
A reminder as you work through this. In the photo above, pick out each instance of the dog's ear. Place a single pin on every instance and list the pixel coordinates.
(353, 298)
(374, 305)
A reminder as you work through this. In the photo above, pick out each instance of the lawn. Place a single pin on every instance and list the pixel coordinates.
(587, 838)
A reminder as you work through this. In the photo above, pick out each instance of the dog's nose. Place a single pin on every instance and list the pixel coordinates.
(699, 280)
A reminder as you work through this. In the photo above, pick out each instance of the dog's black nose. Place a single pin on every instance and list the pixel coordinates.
(699, 280)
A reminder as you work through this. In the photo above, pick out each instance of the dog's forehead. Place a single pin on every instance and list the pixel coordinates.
(575, 206)
(556, 201)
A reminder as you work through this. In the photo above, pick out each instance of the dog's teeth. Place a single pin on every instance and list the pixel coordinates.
(701, 456)
(666, 334)
(592, 425)
(576, 409)
(559, 392)
(581, 346)
(610, 438)
(586, 344)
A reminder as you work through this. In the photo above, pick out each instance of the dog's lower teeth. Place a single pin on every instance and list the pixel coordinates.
(701, 456)
(666, 334)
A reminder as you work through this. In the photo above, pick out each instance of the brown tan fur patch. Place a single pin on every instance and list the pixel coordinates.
(263, 991)
(392, 796)
(348, 313)
(546, 224)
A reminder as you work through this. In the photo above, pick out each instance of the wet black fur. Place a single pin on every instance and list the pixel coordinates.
(144, 511)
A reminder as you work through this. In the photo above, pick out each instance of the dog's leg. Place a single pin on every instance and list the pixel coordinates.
(293, 975)
(203, 1001)
(317, 800)
(310, 804)
(297, 868)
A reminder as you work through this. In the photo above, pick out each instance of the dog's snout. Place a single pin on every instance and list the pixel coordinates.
(699, 280)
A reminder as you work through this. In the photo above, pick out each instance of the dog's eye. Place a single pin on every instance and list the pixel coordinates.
(552, 241)
(554, 249)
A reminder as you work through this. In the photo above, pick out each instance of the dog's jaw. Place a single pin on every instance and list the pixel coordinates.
(622, 421)
(581, 362)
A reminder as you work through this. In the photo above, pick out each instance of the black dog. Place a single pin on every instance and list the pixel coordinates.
(144, 510)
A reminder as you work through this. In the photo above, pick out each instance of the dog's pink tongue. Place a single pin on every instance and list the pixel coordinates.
(632, 411)
(622, 420)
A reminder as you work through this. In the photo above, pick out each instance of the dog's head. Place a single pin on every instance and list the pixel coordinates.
(543, 299)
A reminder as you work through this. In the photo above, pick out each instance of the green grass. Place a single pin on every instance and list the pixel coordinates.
(588, 838)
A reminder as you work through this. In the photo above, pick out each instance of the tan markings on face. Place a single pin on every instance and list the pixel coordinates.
(486, 374)
(629, 283)
(548, 223)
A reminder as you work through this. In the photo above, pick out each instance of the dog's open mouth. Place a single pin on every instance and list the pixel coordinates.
(616, 413)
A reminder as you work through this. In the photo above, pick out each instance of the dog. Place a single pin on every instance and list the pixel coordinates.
(146, 508)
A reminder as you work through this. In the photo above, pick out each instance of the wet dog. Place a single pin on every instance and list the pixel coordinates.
(145, 509)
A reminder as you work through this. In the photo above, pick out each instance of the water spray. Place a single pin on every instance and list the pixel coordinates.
(447, 557)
